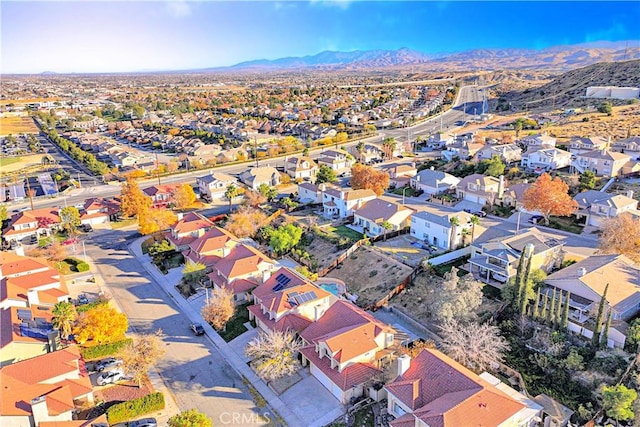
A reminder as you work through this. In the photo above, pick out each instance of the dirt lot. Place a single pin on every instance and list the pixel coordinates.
(370, 275)
(402, 249)
(123, 391)
(15, 125)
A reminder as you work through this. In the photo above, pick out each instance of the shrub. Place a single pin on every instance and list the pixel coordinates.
(134, 408)
(99, 351)
(92, 304)
(82, 267)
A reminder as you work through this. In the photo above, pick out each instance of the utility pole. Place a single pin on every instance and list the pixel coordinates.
(255, 149)
(29, 191)
(157, 169)
(79, 183)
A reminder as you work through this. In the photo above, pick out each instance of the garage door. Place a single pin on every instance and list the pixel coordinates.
(326, 382)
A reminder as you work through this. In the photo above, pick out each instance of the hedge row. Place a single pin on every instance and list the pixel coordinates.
(92, 304)
(98, 351)
(134, 408)
(79, 265)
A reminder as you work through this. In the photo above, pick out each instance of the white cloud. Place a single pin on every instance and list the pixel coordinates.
(178, 8)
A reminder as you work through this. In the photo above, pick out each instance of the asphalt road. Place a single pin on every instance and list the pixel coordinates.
(191, 367)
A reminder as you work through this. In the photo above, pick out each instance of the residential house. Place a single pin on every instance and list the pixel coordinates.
(240, 271)
(255, 177)
(342, 202)
(508, 153)
(597, 206)
(440, 231)
(539, 141)
(585, 145)
(496, 261)
(210, 247)
(545, 159)
(161, 195)
(481, 189)
(514, 195)
(29, 289)
(630, 146)
(47, 390)
(36, 222)
(338, 160)
(400, 174)
(300, 167)
(189, 227)
(98, 210)
(586, 281)
(440, 140)
(434, 390)
(368, 155)
(310, 193)
(376, 212)
(213, 186)
(344, 347)
(434, 182)
(601, 162)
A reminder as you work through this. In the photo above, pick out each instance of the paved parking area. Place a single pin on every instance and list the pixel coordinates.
(312, 402)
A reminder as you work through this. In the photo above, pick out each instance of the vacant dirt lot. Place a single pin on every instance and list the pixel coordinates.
(323, 252)
(370, 275)
(16, 125)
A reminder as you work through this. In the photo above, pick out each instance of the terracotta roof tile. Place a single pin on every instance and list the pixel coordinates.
(352, 375)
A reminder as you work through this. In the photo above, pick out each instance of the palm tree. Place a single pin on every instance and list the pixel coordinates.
(360, 147)
(389, 146)
(386, 225)
(474, 221)
(231, 192)
(64, 316)
(455, 222)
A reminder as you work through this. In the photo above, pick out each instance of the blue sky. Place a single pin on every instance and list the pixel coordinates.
(119, 36)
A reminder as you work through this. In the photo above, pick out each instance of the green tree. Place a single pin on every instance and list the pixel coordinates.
(552, 308)
(289, 203)
(190, 418)
(604, 340)
(474, 221)
(64, 317)
(285, 238)
(595, 339)
(138, 111)
(605, 108)
(564, 324)
(455, 223)
(617, 401)
(587, 180)
(267, 191)
(633, 335)
(4, 214)
(386, 226)
(193, 272)
(325, 174)
(230, 193)
(491, 167)
(536, 307)
(70, 218)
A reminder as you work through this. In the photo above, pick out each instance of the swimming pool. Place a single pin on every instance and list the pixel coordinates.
(330, 287)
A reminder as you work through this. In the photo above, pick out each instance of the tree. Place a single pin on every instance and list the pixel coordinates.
(389, 146)
(491, 167)
(138, 110)
(511, 291)
(417, 347)
(220, 309)
(284, 238)
(386, 226)
(617, 401)
(274, 354)
(604, 340)
(587, 180)
(289, 203)
(473, 344)
(595, 339)
(100, 324)
(522, 277)
(455, 223)
(253, 198)
(193, 272)
(267, 191)
(184, 197)
(549, 196)
(154, 220)
(474, 221)
(366, 177)
(4, 214)
(325, 174)
(70, 218)
(134, 201)
(633, 335)
(564, 324)
(64, 316)
(457, 297)
(621, 235)
(360, 147)
(230, 193)
(139, 355)
(605, 108)
(246, 222)
(190, 418)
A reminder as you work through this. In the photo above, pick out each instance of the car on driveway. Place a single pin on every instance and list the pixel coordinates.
(87, 228)
(197, 328)
(481, 214)
(536, 219)
(108, 363)
(143, 422)
(82, 299)
(110, 377)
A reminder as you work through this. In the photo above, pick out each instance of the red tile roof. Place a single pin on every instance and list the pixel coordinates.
(191, 222)
(350, 376)
(242, 260)
(15, 264)
(290, 322)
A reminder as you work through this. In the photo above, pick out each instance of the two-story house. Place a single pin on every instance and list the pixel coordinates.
(496, 261)
(161, 195)
(434, 182)
(443, 231)
(481, 189)
(338, 160)
(538, 141)
(630, 146)
(309, 193)
(586, 281)
(47, 390)
(100, 210)
(434, 390)
(189, 227)
(255, 177)
(585, 145)
(440, 140)
(508, 153)
(300, 167)
(373, 214)
(342, 202)
(400, 174)
(210, 247)
(545, 159)
(37, 222)
(213, 186)
(597, 206)
(368, 155)
(601, 162)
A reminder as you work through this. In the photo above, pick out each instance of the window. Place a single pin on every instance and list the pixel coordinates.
(398, 410)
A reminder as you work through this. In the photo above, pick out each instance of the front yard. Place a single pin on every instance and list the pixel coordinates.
(235, 327)
(566, 223)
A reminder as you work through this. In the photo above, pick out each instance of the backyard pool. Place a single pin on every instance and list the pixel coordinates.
(331, 287)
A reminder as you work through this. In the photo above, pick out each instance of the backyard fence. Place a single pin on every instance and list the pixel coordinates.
(450, 256)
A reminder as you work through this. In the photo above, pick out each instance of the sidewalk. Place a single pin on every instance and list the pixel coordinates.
(234, 359)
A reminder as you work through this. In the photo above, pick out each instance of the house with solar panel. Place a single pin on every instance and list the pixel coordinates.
(344, 346)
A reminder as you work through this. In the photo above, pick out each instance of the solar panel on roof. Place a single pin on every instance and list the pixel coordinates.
(286, 281)
(24, 315)
(280, 277)
(278, 287)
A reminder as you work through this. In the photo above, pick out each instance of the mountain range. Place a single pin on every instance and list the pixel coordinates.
(552, 58)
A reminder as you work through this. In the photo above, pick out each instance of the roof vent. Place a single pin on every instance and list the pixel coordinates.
(582, 271)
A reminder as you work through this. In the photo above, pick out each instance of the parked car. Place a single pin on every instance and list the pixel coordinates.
(33, 240)
(536, 219)
(197, 328)
(144, 422)
(110, 377)
(70, 241)
(108, 363)
(87, 228)
(481, 214)
(82, 299)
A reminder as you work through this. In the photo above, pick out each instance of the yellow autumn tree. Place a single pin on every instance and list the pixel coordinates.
(549, 196)
(100, 325)
(366, 177)
(621, 235)
(134, 201)
(184, 197)
(152, 220)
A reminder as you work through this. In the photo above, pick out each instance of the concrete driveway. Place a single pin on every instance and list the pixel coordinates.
(312, 402)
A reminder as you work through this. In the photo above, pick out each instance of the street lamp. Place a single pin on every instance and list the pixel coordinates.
(206, 293)
(403, 190)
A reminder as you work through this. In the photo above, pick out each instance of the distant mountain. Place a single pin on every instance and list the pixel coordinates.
(553, 58)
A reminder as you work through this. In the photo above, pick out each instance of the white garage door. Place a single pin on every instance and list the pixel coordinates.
(325, 381)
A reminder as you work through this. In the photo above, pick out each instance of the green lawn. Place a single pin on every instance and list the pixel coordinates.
(344, 231)
(6, 161)
(123, 223)
(408, 191)
(565, 223)
(235, 326)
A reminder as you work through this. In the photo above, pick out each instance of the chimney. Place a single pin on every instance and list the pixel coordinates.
(317, 313)
(404, 362)
(20, 250)
(630, 194)
(501, 187)
(432, 168)
(265, 275)
(582, 271)
(39, 409)
(180, 215)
